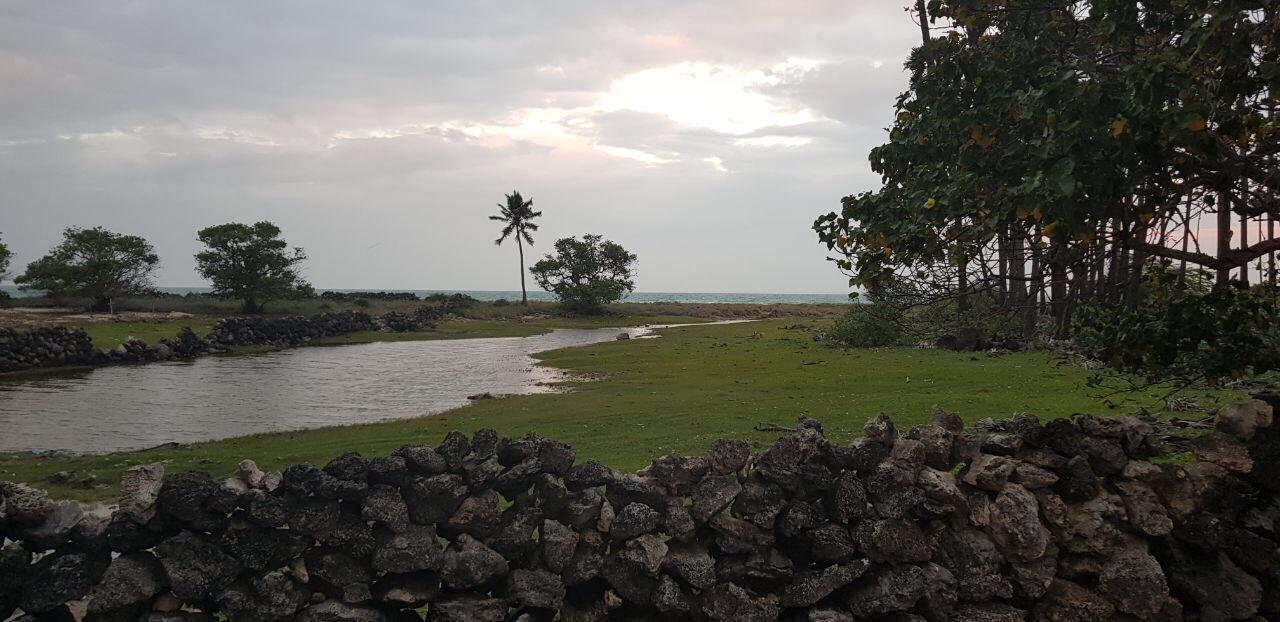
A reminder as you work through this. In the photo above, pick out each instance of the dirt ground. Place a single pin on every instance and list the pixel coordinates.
(47, 316)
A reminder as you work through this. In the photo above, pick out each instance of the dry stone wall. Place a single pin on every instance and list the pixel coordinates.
(57, 346)
(1077, 519)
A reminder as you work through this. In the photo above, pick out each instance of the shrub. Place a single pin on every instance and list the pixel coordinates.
(867, 325)
(501, 302)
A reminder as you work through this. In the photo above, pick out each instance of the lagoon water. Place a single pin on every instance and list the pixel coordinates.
(136, 407)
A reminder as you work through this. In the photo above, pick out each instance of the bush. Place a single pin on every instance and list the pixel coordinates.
(866, 325)
(501, 302)
(1179, 332)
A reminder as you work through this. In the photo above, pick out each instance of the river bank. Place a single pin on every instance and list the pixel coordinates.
(629, 401)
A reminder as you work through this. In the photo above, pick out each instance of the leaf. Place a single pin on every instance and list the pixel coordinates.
(1197, 124)
(930, 203)
(1117, 127)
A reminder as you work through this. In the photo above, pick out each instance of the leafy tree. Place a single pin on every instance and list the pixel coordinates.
(251, 263)
(517, 216)
(6, 256)
(586, 274)
(95, 264)
(1082, 137)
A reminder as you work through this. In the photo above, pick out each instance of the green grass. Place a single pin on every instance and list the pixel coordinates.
(673, 394)
(112, 334)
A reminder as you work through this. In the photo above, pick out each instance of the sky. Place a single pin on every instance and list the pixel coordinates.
(703, 136)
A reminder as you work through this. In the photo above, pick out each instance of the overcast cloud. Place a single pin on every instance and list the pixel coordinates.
(704, 136)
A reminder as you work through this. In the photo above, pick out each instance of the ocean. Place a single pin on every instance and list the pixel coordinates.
(705, 297)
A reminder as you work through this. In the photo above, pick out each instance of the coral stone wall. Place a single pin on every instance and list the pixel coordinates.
(1068, 520)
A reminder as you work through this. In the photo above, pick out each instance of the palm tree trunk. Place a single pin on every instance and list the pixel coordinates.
(524, 294)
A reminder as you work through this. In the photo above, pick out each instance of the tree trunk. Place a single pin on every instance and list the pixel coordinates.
(1224, 235)
(1244, 243)
(924, 21)
(524, 293)
(1271, 257)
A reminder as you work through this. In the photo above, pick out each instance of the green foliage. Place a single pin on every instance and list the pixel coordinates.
(95, 264)
(251, 263)
(586, 274)
(867, 326)
(1057, 120)
(1182, 332)
(501, 302)
(6, 256)
(517, 217)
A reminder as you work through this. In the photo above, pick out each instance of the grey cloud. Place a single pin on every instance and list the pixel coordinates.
(380, 126)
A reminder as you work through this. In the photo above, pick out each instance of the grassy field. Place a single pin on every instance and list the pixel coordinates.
(673, 394)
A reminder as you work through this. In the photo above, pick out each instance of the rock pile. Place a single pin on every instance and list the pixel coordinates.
(1058, 521)
(354, 296)
(52, 346)
(286, 331)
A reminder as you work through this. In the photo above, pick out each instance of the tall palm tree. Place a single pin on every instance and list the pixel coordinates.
(518, 217)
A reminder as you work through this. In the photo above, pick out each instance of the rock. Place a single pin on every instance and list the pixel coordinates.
(849, 499)
(59, 578)
(692, 565)
(131, 579)
(1015, 524)
(669, 597)
(948, 421)
(1143, 508)
(336, 572)
(470, 564)
(558, 544)
(1135, 583)
(434, 499)
(633, 520)
(993, 612)
(140, 489)
(880, 429)
(56, 528)
(195, 567)
(728, 456)
(1033, 477)
(888, 589)
(1244, 420)
(467, 609)
(1068, 602)
(1222, 450)
(990, 472)
(810, 587)
(249, 474)
(409, 549)
(385, 505)
(407, 591)
(830, 543)
(535, 588)
(892, 541)
(712, 495)
(730, 602)
(333, 611)
(1076, 480)
(1214, 582)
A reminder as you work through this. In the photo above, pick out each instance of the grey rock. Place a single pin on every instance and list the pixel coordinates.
(470, 564)
(131, 579)
(712, 495)
(634, 519)
(810, 587)
(195, 567)
(535, 588)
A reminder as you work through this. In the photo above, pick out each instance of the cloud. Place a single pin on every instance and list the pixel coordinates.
(689, 131)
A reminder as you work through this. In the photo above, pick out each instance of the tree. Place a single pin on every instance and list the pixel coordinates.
(585, 274)
(518, 217)
(1078, 136)
(6, 255)
(95, 264)
(251, 263)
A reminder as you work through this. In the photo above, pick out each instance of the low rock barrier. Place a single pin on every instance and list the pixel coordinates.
(1070, 520)
(57, 346)
(354, 296)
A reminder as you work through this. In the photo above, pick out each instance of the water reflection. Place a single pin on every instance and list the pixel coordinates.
(134, 407)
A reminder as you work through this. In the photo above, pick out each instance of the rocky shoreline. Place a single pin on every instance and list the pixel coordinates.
(1079, 519)
(52, 347)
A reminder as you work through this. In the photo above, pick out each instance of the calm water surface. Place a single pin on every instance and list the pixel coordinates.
(135, 407)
